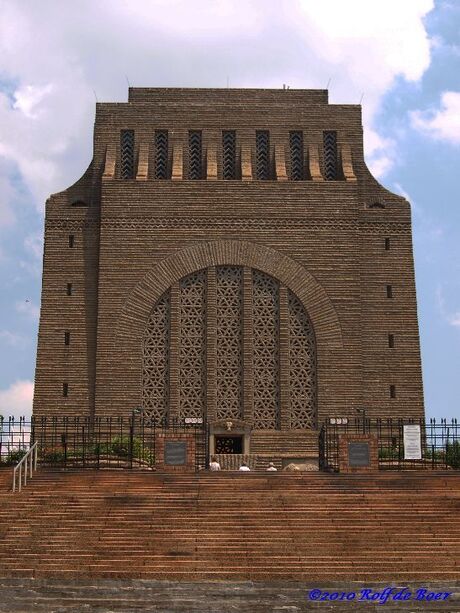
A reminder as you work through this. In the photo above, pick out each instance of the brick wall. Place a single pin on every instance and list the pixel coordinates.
(136, 237)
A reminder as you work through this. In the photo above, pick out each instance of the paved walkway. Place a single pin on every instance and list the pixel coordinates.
(107, 596)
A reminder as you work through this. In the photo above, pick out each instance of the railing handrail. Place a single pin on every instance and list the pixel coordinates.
(31, 456)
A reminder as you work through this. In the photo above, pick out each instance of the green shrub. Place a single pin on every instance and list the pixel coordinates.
(14, 457)
(453, 454)
(52, 454)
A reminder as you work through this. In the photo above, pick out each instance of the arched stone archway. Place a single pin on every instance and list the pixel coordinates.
(131, 325)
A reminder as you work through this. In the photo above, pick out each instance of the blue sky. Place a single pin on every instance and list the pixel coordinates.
(402, 58)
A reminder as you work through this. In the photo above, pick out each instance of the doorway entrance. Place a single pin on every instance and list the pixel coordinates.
(228, 444)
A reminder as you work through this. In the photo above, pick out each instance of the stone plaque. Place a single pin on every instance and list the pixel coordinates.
(175, 453)
(412, 442)
(358, 454)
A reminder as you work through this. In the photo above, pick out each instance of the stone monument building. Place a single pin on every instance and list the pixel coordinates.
(228, 256)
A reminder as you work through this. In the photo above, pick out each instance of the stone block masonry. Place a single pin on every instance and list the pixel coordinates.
(266, 218)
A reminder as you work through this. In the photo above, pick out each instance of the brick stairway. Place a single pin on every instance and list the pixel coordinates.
(6, 478)
(301, 527)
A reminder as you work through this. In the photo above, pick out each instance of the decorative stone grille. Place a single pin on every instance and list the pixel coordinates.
(127, 154)
(161, 154)
(296, 151)
(266, 351)
(192, 345)
(330, 155)
(190, 377)
(229, 367)
(262, 155)
(195, 155)
(155, 375)
(302, 366)
(229, 154)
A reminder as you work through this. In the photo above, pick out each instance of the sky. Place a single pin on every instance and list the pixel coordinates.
(400, 58)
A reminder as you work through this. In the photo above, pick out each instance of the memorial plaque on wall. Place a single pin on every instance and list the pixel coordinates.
(358, 454)
(175, 453)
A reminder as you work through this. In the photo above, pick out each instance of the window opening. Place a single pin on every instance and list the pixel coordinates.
(229, 154)
(195, 155)
(161, 154)
(262, 155)
(127, 154)
(296, 151)
(330, 155)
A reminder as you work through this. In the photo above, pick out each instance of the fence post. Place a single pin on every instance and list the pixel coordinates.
(131, 440)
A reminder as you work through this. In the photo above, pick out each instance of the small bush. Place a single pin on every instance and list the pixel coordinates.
(453, 454)
(14, 457)
(53, 454)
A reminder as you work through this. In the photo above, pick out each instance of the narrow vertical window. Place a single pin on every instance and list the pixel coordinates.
(69, 289)
(71, 240)
(161, 154)
(127, 154)
(262, 155)
(387, 244)
(65, 389)
(296, 151)
(389, 291)
(195, 155)
(392, 391)
(330, 155)
(228, 154)
(391, 341)
(66, 337)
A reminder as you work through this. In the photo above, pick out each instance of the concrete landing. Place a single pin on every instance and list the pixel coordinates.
(108, 596)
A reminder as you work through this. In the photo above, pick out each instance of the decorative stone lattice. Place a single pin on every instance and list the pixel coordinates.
(229, 154)
(195, 155)
(262, 155)
(229, 352)
(161, 154)
(229, 367)
(266, 351)
(330, 156)
(192, 345)
(296, 152)
(302, 365)
(155, 375)
(127, 154)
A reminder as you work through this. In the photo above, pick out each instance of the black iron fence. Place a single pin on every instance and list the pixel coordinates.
(439, 442)
(101, 442)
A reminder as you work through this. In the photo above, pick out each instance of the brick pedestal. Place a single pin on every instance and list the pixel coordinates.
(160, 443)
(344, 457)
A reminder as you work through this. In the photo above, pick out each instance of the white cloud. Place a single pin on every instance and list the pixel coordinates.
(453, 319)
(29, 97)
(426, 227)
(16, 400)
(442, 123)
(12, 339)
(28, 308)
(46, 118)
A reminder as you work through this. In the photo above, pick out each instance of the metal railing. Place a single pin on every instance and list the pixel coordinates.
(439, 442)
(25, 467)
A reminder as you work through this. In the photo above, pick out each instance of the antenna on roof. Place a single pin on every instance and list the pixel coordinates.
(95, 95)
(127, 81)
(329, 82)
(361, 99)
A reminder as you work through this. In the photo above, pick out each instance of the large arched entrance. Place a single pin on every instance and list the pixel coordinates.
(231, 344)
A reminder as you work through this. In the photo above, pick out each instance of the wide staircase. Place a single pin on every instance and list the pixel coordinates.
(257, 526)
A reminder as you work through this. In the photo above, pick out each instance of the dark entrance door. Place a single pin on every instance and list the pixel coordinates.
(229, 444)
